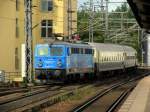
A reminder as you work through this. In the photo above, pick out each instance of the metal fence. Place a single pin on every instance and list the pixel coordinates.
(8, 77)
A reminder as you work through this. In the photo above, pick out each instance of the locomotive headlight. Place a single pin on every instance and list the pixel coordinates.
(59, 63)
(40, 63)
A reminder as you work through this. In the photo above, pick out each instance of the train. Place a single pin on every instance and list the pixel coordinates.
(66, 61)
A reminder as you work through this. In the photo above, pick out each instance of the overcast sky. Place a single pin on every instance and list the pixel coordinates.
(111, 5)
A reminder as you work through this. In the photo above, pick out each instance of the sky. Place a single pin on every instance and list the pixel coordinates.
(112, 6)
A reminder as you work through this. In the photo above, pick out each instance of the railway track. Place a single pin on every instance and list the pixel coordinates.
(101, 101)
(39, 99)
(11, 90)
(26, 94)
(31, 100)
(119, 100)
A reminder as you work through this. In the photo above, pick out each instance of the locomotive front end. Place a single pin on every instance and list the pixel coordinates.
(49, 61)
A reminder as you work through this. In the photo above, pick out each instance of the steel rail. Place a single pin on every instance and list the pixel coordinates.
(27, 94)
(87, 103)
(33, 98)
(119, 100)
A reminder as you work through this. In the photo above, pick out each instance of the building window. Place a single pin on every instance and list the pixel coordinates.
(46, 5)
(17, 28)
(17, 5)
(46, 28)
(16, 59)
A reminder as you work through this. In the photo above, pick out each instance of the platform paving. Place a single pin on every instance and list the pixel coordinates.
(139, 99)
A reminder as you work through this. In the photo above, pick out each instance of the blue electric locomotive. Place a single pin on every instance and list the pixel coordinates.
(61, 60)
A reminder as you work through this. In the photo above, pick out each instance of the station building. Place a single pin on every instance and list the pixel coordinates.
(50, 17)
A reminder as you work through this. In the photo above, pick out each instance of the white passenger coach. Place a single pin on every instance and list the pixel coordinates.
(109, 57)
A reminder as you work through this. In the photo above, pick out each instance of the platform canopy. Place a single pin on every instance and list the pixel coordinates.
(141, 10)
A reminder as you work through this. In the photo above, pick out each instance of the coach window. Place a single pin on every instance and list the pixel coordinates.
(72, 50)
(103, 58)
(90, 51)
(79, 50)
(76, 51)
(46, 5)
(46, 28)
(86, 51)
(106, 58)
(83, 51)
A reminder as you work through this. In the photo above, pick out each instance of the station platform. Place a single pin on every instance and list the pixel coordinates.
(139, 99)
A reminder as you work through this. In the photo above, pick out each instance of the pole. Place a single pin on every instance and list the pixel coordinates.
(91, 17)
(28, 40)
(106, 19)
(69, 19)
(122, 21)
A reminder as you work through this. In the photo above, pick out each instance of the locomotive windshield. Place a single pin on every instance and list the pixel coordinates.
(43, 51)
(56, 51)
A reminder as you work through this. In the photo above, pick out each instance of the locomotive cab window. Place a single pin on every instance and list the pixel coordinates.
(56, 51)
(43, 51)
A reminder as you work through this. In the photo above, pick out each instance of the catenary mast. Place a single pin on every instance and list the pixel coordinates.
(28, 40)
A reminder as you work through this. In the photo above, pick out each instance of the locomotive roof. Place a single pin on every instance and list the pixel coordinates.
(67, 43)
